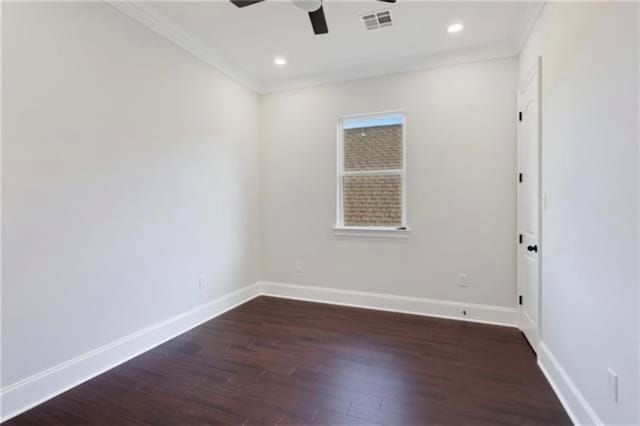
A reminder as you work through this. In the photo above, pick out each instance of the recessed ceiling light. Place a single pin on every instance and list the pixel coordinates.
(280, 61)
(455, 28)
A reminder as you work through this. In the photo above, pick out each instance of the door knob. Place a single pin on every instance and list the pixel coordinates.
(533, 248)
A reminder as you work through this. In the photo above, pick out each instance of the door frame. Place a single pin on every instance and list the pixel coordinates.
(534, 71)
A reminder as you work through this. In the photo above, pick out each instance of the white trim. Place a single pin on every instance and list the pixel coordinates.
(638, 236)
(487, 314)
(153, 20)
(358, 71)
(34, 390)
(340, 227)
(528, 18)
(535, 71)
(533, 336)
(378, 114)
(405, 204)
(373, 172)
(572, 400)
(146, 16)
(379, 120)
(31, 391)
(365, 231)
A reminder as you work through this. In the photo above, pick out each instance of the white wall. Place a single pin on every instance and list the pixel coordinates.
(129, 169)
(461, 134)
(590, 173)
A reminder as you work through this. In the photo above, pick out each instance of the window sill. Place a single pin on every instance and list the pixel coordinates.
(372, 231)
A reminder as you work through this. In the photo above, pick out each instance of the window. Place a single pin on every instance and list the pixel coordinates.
(371, 174)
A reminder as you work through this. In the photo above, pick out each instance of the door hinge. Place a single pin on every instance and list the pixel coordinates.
(520, 177)
(520, 238)
(520, 116)
(519, 300)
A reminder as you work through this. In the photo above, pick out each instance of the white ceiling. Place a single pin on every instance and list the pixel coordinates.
(243, 42)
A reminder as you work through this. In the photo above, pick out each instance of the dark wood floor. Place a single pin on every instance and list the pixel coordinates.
(276, 361)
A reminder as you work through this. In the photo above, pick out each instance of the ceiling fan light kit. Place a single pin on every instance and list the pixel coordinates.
(312, 7)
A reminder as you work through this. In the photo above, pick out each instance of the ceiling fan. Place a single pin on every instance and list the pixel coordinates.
(313, 7)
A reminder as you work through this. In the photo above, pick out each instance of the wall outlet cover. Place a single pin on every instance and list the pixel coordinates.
(462, 279)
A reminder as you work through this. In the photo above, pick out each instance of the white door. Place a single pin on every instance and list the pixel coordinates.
(529, 206)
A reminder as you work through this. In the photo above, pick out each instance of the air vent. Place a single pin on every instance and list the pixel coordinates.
(370, 21)
(375, 20)
(384, 18)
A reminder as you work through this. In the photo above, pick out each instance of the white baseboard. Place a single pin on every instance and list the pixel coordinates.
(31, 391)
(487, 314)
(572, 400)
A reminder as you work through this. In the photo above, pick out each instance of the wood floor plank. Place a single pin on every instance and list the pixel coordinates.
(284, 362)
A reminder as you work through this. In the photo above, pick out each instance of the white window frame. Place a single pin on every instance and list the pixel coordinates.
(370, 231)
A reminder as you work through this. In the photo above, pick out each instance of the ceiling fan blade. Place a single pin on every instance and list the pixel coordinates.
(245, 3)
(388, 1)
(318, 21)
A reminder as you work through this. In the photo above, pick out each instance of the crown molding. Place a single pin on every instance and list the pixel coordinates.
(529, 15)
(146, 16)
(487, 52)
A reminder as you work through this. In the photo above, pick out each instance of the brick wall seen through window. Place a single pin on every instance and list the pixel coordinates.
(372, 172)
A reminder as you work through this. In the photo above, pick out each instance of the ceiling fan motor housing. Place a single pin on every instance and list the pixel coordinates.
(308, 5)
(312, 7)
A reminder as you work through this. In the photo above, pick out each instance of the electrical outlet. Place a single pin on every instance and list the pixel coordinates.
(462, 279)
(299, 266)
(202, 283)
(612, 381)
